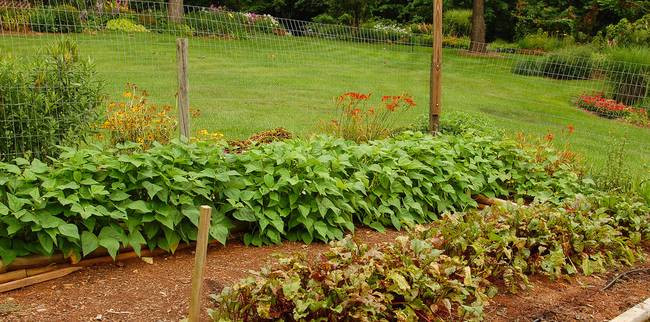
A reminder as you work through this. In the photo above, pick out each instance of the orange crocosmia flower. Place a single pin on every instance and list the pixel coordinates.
(371, 110)
(391, 107)
(571, 128)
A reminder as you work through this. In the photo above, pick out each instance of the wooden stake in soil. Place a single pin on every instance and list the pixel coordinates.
(199, 264)
(183, 91)
(435, 92)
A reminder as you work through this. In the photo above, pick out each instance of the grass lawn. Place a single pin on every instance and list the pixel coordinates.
(244, 86)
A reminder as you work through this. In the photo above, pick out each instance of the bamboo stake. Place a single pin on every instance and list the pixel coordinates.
(199, 264)
(37, 279)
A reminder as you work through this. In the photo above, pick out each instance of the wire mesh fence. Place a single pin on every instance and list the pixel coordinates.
(252, 72)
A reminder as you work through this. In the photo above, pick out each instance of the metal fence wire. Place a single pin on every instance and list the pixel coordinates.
(252, 72)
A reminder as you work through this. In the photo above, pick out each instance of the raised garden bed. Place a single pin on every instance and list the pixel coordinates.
(126, 291)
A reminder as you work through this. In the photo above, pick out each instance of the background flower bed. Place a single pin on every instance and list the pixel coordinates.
(297, 190)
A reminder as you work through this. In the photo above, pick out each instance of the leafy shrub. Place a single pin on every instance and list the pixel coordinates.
(179, 29)
(527, 66)
(125, 25)
(325, 19)
(297, 190)
(625, 33)
(60, 19)
(218, 23)
(460, 123)
(13, 19)
(136, 120)
(457, 22)
(360, 121)
(628, 74)
(542, 41)
(442, 272)
(47, 102)
(569, 63)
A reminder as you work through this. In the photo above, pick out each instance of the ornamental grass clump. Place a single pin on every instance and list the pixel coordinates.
(360, 120)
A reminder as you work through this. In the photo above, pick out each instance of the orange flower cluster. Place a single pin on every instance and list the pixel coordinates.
(360, 121)
(354, 96)
(393, 102)
(138, 121)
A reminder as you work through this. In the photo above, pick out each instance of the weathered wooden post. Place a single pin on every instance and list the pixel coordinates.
(183, 97)
(435, 92)
(199, 263)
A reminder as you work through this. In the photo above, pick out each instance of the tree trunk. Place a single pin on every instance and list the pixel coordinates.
(175, 11)
(478, 27)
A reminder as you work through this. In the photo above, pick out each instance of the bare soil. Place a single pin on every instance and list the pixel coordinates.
(136, 291)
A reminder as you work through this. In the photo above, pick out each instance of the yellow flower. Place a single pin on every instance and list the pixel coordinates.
(128, 94)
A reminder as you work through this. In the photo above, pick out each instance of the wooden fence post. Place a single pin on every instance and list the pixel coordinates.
(199, 263)
(435, 92)
(183, 98)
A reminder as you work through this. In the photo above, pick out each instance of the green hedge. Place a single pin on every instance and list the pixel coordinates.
(297, 190)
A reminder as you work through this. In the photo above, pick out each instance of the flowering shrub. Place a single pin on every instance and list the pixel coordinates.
(361, 121)
(138, 121)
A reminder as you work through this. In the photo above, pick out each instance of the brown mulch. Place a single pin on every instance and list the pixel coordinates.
(266, 137)
(137, 291)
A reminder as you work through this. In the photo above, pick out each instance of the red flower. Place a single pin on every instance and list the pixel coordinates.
(571, 128)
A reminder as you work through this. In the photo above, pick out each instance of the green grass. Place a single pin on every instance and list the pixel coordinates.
(245, 86)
